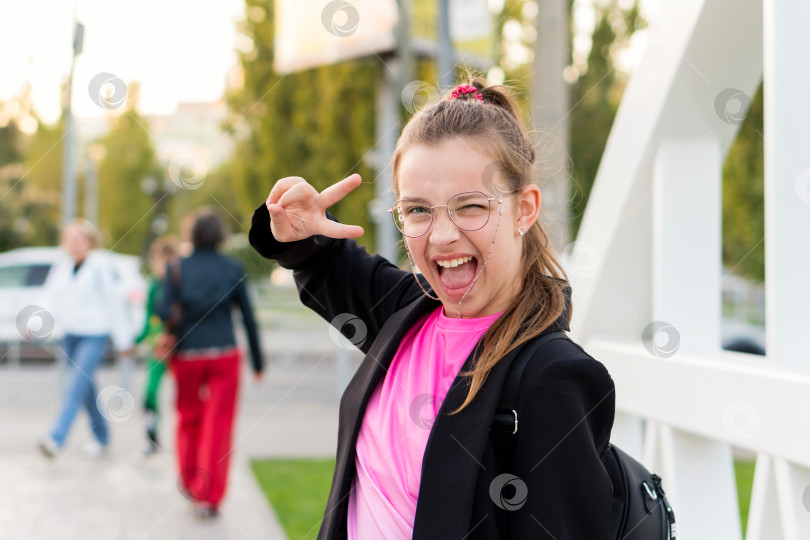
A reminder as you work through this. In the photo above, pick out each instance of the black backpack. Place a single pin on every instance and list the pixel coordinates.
(640, 507)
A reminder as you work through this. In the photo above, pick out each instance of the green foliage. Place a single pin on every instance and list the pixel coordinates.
(744, 474)
(10, 142)
(744, 197)
(298, 490)
(317, 124)
(43, 158)
(28, 214)
(594, 100)
(125, 210)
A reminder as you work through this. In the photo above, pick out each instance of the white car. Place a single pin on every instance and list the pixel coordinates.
(25, 272)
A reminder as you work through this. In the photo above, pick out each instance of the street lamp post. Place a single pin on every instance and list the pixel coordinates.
(69, 155)
(446, 61)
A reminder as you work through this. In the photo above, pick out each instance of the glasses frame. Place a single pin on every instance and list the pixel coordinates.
(499, 197)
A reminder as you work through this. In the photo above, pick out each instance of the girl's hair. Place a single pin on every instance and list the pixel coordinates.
(88, 229)
(209, 230)
(165, 248)
(494, 125)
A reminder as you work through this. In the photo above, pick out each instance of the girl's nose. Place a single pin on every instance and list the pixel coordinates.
(443, 230)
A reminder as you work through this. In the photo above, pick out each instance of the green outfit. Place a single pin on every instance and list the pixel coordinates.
(154, 367)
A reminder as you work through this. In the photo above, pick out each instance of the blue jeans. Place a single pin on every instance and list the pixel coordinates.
(84, 355)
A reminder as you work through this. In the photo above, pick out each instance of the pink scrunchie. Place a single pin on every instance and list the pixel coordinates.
(466, 89)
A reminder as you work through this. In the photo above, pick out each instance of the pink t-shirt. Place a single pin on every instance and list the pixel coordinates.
(397, 423)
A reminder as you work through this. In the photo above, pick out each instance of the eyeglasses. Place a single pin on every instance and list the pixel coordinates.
(469, 211)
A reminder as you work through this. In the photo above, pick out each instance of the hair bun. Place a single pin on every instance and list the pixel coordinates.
(465, 91)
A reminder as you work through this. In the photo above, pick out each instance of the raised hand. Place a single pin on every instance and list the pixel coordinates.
(298, 211)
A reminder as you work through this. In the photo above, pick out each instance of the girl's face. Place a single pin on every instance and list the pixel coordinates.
(76, 243)
(158, 266)
(437, 173)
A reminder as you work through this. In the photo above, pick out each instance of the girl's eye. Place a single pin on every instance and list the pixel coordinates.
(470, 209)
(416, 210)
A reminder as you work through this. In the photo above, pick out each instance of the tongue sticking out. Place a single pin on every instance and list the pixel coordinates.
(460, 276)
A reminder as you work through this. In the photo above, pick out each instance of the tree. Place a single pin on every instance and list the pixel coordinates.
(595, 97)
(318, 123)
(28, 214)
(126, 210)
(744, 197)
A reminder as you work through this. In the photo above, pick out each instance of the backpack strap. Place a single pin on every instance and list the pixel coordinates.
(176, 307)
(506, 423)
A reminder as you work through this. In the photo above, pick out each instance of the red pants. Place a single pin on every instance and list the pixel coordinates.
(206, 404)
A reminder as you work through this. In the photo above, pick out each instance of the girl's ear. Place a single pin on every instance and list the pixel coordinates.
(529, 201)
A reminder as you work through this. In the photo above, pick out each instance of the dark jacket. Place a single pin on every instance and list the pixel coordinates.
(210, 285)
(566, 404)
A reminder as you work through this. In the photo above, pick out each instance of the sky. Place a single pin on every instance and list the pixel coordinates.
(179, 50)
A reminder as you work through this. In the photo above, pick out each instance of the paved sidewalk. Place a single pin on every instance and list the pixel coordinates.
(293, 412)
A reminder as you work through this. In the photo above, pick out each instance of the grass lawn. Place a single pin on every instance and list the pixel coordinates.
(744, 470)
(298, 488)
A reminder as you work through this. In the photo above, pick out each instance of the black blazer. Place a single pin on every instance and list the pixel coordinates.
(566, 406)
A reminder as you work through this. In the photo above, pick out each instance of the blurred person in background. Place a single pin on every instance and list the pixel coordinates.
(85, 302)
(162, 253)
(206, 360)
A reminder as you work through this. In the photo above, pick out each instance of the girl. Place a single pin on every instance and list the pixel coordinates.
(415, 457)
(162, 253)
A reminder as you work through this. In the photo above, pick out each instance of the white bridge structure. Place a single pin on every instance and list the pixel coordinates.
(647, 261)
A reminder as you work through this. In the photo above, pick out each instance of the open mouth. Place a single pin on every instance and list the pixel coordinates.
(456, 275)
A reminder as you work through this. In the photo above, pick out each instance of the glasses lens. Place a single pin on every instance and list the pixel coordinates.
(412, 217)
(470, 211)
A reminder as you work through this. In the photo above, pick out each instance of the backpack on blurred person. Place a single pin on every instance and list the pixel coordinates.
(166, 340)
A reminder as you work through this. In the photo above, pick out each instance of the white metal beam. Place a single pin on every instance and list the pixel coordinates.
(787, 182)
(724, 396)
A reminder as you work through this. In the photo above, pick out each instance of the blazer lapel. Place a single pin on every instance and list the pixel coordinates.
(353, 406)
(376, 363)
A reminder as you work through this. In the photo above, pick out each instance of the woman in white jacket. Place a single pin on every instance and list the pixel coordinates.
(86, 304)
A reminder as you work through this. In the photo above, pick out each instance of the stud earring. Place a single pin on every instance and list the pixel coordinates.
(521, 231)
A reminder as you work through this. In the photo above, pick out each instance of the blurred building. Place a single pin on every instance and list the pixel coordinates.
(194, 128)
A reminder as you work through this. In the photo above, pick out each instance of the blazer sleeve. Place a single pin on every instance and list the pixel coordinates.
(563, 435)
(338, 279)
(242, 299)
